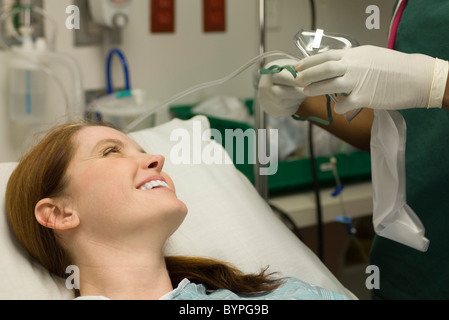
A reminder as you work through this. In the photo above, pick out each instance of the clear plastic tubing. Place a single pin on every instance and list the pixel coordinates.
(180, 95)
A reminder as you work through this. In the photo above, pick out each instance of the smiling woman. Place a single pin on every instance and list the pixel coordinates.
(88, 195)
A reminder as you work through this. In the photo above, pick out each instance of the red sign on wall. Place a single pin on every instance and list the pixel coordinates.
(162, 16)
(214, 15)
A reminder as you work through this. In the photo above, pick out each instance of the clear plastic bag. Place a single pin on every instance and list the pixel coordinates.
(392, 217)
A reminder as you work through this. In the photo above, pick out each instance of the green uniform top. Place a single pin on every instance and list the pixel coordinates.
(406, 273)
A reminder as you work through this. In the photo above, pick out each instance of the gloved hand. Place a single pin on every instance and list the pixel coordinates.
(375, 77)
(279, 94)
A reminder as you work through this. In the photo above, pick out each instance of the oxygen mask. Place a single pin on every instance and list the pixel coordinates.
(311, 43)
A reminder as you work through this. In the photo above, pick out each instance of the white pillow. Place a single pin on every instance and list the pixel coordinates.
(227, 220)
(20, 277)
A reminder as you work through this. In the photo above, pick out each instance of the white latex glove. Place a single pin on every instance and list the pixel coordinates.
(279, 94)
(376, 78)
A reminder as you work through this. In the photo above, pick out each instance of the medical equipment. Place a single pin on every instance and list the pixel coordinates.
(110, 13)
(225, 79)
(326, 44)
(31, 64)
(260, 119)
(41, 62)
(27, 87)
(124, 62)
(338, 193)
(314, 42)
(344, 218)
(276, 69)
(311, 43)
(121, 107)
(7, 17)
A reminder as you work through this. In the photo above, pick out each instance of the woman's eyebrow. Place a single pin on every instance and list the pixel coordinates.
(118, 143)
(103, 142)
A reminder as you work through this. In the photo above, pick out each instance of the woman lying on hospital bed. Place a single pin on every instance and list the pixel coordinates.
(88, 195)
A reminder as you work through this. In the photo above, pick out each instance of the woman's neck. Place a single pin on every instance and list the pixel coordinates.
(123, 274)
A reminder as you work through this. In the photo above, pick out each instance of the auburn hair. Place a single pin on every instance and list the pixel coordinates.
(41, 173)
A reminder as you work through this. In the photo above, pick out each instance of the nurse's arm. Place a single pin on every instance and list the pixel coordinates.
(357, 133)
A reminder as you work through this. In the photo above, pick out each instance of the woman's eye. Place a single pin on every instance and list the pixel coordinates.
(111, 150)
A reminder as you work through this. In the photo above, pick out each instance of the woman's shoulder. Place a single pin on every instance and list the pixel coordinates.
(290, 289)
(293, 288)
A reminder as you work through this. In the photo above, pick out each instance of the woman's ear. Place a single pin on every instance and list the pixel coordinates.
(52, 214)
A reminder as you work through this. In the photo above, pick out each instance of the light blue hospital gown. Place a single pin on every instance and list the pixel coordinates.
(291, 289)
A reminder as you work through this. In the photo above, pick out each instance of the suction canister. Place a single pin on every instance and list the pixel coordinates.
(27, 87)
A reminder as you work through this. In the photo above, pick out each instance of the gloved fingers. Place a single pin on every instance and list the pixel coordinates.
(279, 101)
(342, 107)
(288, 93)
(331, 86)
(312, 61)
(282, 62)
(279, 108)
(284, 78)
(269, 90)
(265, 82)
(293, 106)
(348, 104)
(324, 71)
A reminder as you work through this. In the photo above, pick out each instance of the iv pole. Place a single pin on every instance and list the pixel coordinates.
(261, 181)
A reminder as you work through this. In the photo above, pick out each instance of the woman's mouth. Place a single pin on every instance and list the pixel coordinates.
(154, 184)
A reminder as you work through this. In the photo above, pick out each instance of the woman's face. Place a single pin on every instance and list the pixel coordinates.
(118, 190)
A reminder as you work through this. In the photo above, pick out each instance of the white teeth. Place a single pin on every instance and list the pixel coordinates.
(153, 184)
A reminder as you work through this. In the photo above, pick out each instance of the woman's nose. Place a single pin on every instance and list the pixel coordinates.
(154, 162)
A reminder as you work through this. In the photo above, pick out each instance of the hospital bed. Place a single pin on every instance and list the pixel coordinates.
(227, 220)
